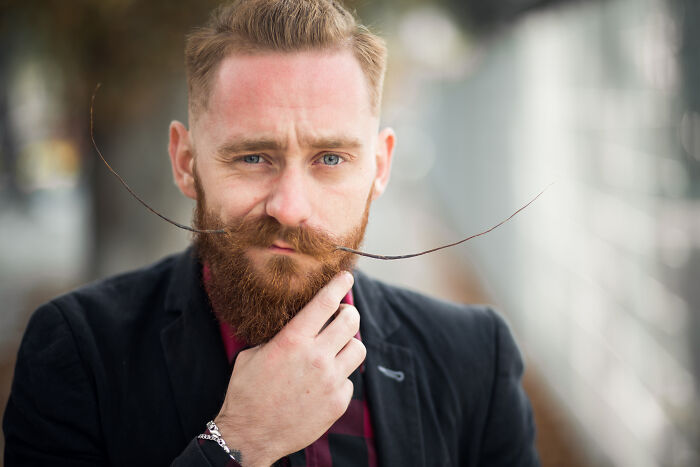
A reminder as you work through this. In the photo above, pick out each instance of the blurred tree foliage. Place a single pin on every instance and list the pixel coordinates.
(127, 44)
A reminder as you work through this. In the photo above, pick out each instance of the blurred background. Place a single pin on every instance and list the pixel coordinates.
(492, 101)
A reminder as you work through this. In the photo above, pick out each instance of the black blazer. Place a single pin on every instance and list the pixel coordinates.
(128, 371)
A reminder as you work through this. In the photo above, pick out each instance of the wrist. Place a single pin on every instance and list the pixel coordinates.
(244, 451)
(213, 434)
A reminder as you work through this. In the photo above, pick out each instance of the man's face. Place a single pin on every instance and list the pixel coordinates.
(291, 139)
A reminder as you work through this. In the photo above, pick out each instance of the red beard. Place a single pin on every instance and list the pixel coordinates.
(259, 303)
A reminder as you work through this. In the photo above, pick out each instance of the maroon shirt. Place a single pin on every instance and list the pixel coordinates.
(349, 439)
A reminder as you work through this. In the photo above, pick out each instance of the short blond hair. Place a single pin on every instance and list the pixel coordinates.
(251, 26)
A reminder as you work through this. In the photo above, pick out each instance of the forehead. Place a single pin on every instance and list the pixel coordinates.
(271, 89)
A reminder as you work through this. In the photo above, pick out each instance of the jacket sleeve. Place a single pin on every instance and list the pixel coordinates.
(201, 453)
(52, 415)
(509, 438)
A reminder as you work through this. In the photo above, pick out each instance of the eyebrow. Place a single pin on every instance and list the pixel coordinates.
(251, 145)
(264, 143)
(333, 142)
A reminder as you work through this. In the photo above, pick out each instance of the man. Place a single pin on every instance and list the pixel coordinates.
(259, 329)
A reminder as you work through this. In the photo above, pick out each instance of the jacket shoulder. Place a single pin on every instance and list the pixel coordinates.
(130, 281)
(118, 309)
(436, 316)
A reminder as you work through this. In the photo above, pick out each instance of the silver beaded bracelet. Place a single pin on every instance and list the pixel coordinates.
(215, 435)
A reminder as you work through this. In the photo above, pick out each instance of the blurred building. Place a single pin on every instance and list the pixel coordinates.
(599, 277)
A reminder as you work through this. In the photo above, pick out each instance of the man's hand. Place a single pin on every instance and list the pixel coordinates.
(285, 394)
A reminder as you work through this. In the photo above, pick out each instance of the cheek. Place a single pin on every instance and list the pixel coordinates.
(240, 199)
(341, 211)
(346, 202)
(231, 197)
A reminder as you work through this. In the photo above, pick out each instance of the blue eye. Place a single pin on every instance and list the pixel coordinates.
(331, 159)
(252, 159)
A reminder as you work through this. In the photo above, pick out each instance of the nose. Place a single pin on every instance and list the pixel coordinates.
(288, 201)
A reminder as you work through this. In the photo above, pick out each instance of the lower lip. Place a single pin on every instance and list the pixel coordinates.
(276, 249)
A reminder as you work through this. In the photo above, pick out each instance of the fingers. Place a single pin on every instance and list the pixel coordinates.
(351, 357)
(316, 313)
(339, 331)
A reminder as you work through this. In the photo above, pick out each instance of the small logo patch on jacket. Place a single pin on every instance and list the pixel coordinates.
(393, 374)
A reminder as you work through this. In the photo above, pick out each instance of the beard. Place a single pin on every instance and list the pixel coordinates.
(257, 300)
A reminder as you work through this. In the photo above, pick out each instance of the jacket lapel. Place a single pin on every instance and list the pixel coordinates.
(194, 353)
(390, 380)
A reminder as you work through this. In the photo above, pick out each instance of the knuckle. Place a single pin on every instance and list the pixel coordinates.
(354, 319)
(326, 302)
(243, 356)
(361, 349)
(349, 389)
(341, 400)
(319, 361)
(350, 317)
(357, 351)
(328, 383)
(287, 340)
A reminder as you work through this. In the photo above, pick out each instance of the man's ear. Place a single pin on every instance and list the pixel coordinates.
(385, 150)
(182, 159)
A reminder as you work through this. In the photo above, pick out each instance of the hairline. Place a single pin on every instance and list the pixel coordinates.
(202, 104)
